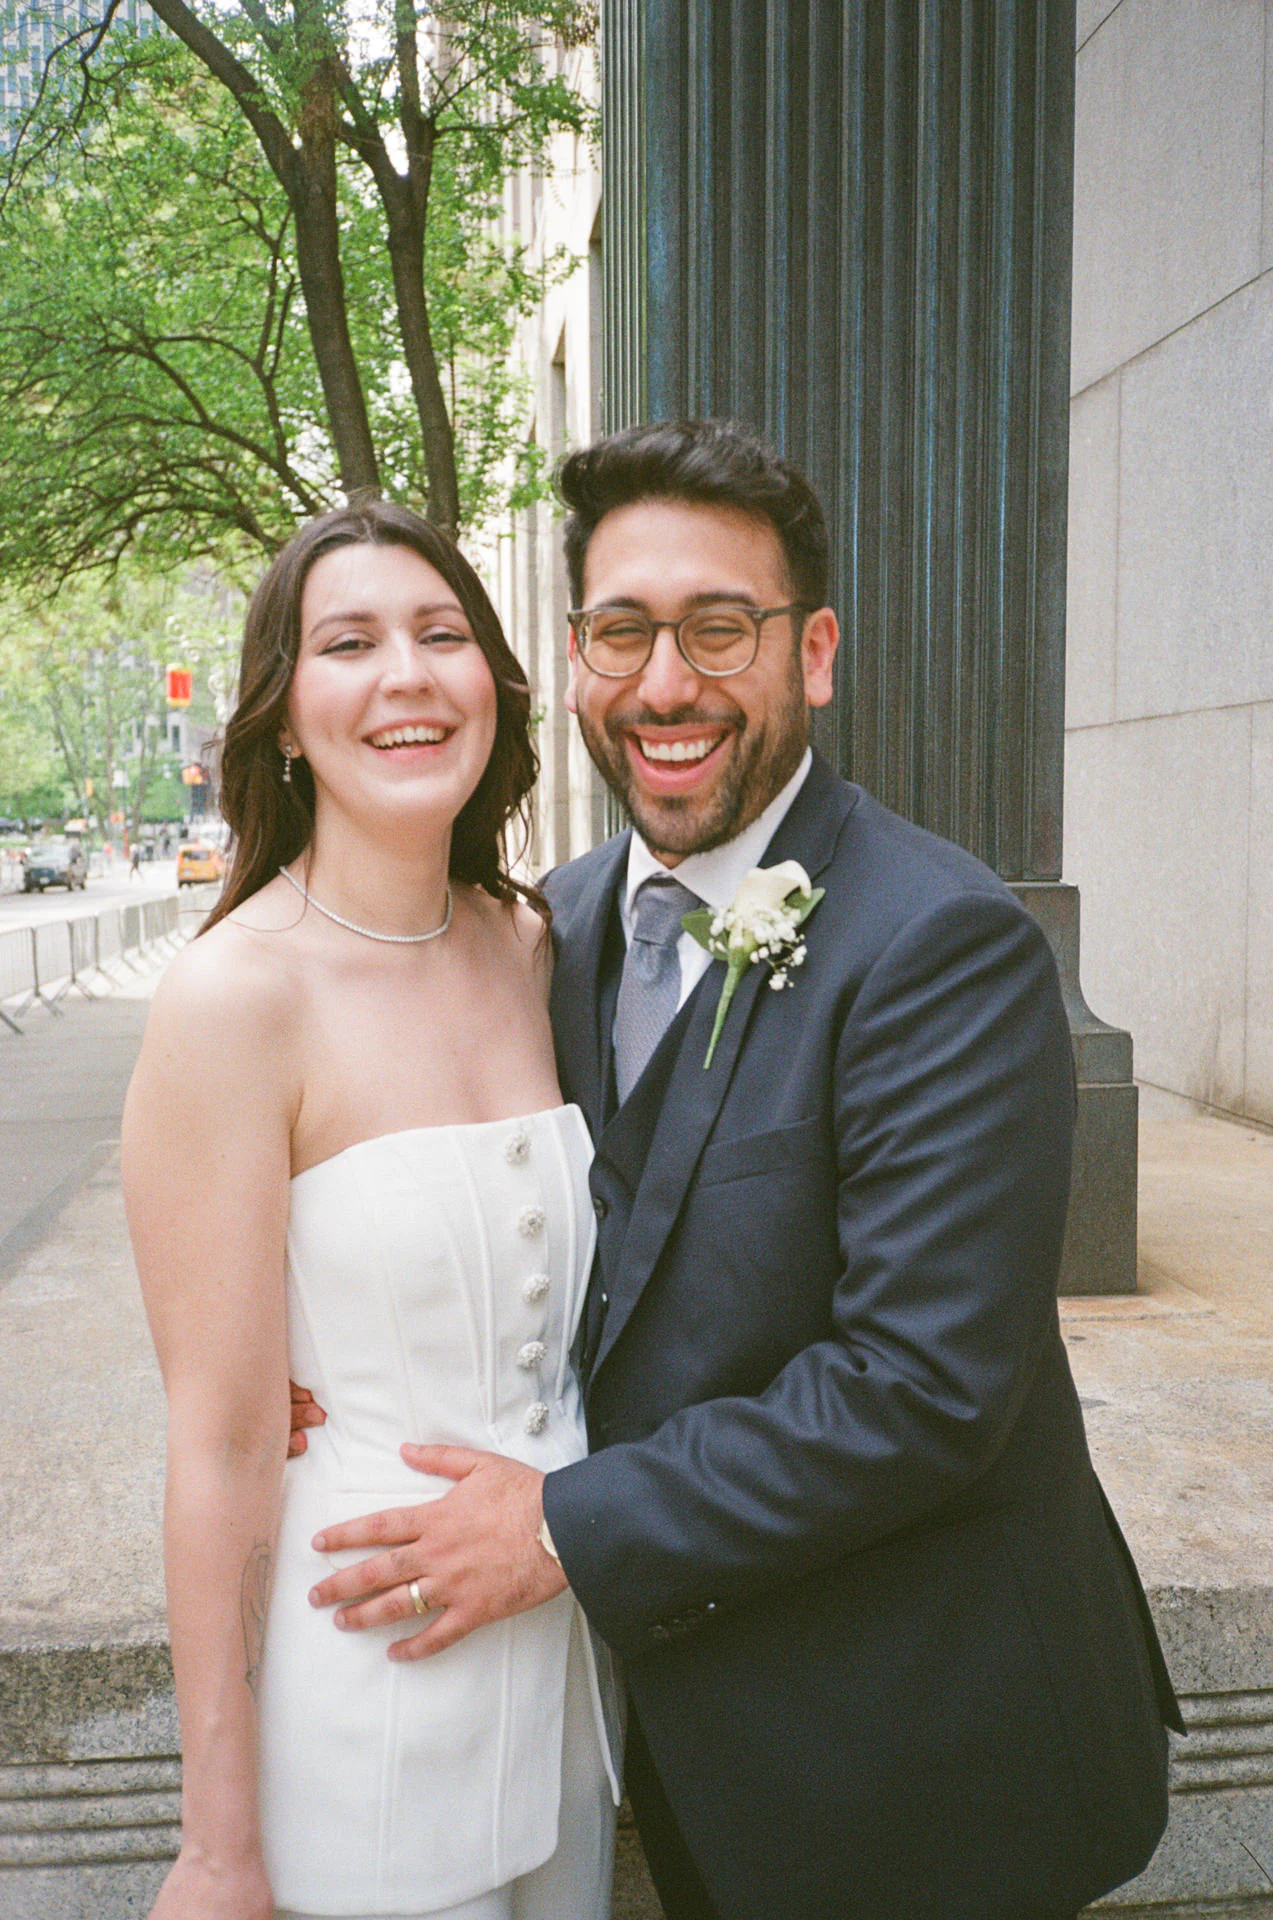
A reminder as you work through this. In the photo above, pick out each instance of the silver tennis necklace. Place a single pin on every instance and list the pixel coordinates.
(390, 939)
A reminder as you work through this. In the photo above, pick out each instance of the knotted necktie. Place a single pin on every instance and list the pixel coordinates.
(651, 984)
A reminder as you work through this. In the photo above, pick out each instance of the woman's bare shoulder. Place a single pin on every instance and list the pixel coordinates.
(229, 988)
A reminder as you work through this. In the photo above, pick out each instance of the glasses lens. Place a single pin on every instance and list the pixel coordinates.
(617, 641)
(720, 639)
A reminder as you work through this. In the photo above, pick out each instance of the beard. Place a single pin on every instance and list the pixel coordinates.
(765, 755)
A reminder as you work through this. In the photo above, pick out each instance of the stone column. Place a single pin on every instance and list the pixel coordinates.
(847, 223)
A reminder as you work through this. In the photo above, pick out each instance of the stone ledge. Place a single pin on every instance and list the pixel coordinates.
(1230, 1743)
(90, 1777)
(1258, 1908)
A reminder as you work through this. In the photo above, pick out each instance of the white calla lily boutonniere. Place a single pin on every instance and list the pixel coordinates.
(762, 922)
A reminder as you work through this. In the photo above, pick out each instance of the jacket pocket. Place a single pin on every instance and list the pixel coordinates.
(803, 1142)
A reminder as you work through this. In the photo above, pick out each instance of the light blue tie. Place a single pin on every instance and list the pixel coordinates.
(651, 984)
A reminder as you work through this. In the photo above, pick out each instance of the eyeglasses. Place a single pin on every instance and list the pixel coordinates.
(717, 641)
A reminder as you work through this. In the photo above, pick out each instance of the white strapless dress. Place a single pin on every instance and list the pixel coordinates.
(434, 1282)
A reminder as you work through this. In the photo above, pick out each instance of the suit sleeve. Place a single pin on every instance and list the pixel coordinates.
(953, 1109)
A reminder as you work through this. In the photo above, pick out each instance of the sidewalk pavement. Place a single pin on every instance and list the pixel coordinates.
(62, 1086)
(1176, 1383)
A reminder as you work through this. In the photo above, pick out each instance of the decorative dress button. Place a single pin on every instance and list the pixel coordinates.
(536, 1417)
(534, 1287)
(530, 1221)
(532, 1355)
(517, 1148)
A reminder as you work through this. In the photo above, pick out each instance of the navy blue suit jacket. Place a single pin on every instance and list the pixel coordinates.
(887, 1647)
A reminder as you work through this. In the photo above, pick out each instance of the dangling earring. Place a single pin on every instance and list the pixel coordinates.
(287, 766)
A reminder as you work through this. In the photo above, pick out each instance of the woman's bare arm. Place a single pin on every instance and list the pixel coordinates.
(206, 1169)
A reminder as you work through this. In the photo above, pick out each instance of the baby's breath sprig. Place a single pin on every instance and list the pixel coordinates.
(762, 922)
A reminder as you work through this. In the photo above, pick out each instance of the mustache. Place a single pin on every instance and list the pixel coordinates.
(679, 717)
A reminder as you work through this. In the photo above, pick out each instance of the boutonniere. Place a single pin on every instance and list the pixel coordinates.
(761, 922)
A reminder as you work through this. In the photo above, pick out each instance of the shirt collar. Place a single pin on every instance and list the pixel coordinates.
(715, 876)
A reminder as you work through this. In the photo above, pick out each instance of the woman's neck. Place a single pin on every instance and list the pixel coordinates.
(391, 885)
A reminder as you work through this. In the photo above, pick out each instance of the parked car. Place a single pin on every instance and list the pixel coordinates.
(55, 863)
(196, 862)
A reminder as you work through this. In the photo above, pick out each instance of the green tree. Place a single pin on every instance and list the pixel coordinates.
(156, 387)
(388, 132)
(32, 777)
(90, 666)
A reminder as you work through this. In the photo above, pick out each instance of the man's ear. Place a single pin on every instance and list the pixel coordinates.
(572, 684)
(818, 643)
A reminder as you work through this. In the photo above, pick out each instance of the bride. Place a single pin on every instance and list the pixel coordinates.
(345, 1152)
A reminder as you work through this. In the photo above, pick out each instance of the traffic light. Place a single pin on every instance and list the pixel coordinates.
(180, 686)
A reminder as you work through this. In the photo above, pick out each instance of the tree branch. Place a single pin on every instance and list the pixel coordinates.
(243, 87)
(94, 34)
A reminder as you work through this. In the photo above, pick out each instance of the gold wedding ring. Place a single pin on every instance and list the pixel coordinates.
(417, 1601)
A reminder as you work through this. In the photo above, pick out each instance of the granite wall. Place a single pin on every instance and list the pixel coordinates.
(1169, 765)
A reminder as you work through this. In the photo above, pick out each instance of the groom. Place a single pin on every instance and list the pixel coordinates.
(887, 1655)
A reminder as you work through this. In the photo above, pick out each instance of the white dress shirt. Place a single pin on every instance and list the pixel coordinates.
(715, 876)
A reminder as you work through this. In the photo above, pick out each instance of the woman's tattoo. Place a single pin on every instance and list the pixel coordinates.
(254, 1596)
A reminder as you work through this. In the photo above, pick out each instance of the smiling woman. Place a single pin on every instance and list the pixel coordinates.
(392, 704)
(272, 818)
(392, 1208)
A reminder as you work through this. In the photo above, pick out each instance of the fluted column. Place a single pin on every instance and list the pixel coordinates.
(847, 223)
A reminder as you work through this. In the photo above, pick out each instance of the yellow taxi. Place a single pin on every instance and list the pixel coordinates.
(196, 862)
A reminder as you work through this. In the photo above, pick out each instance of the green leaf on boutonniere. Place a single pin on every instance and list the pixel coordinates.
(699, 923)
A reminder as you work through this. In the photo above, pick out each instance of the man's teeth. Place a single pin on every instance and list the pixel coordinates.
(677, 749)
(409, 737)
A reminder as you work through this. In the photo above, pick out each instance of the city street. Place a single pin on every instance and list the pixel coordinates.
(113, 889)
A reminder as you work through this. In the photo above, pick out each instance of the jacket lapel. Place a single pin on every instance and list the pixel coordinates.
(663, 1128)
(581, 1001)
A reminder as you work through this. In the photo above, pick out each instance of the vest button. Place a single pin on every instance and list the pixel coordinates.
(599, 1206)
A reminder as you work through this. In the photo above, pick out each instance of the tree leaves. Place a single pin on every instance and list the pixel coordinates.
(157, 398)
(160, 392)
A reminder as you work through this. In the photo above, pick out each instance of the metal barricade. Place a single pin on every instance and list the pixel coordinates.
(196, 903)
(83, 942)
(114, 943)
(41, 964)
(110, 946)
(51, 944)
(17, 972)
(159, 920)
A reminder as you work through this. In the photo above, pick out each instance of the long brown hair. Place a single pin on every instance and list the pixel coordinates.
(272, 820)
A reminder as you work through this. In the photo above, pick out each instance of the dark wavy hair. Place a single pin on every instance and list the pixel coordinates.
(707, 463)
(272, 820)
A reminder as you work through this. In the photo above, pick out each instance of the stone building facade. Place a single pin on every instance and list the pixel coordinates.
(1169, 764)
(559, 351)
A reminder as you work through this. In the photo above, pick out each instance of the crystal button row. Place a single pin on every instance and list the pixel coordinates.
(530, 1224)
